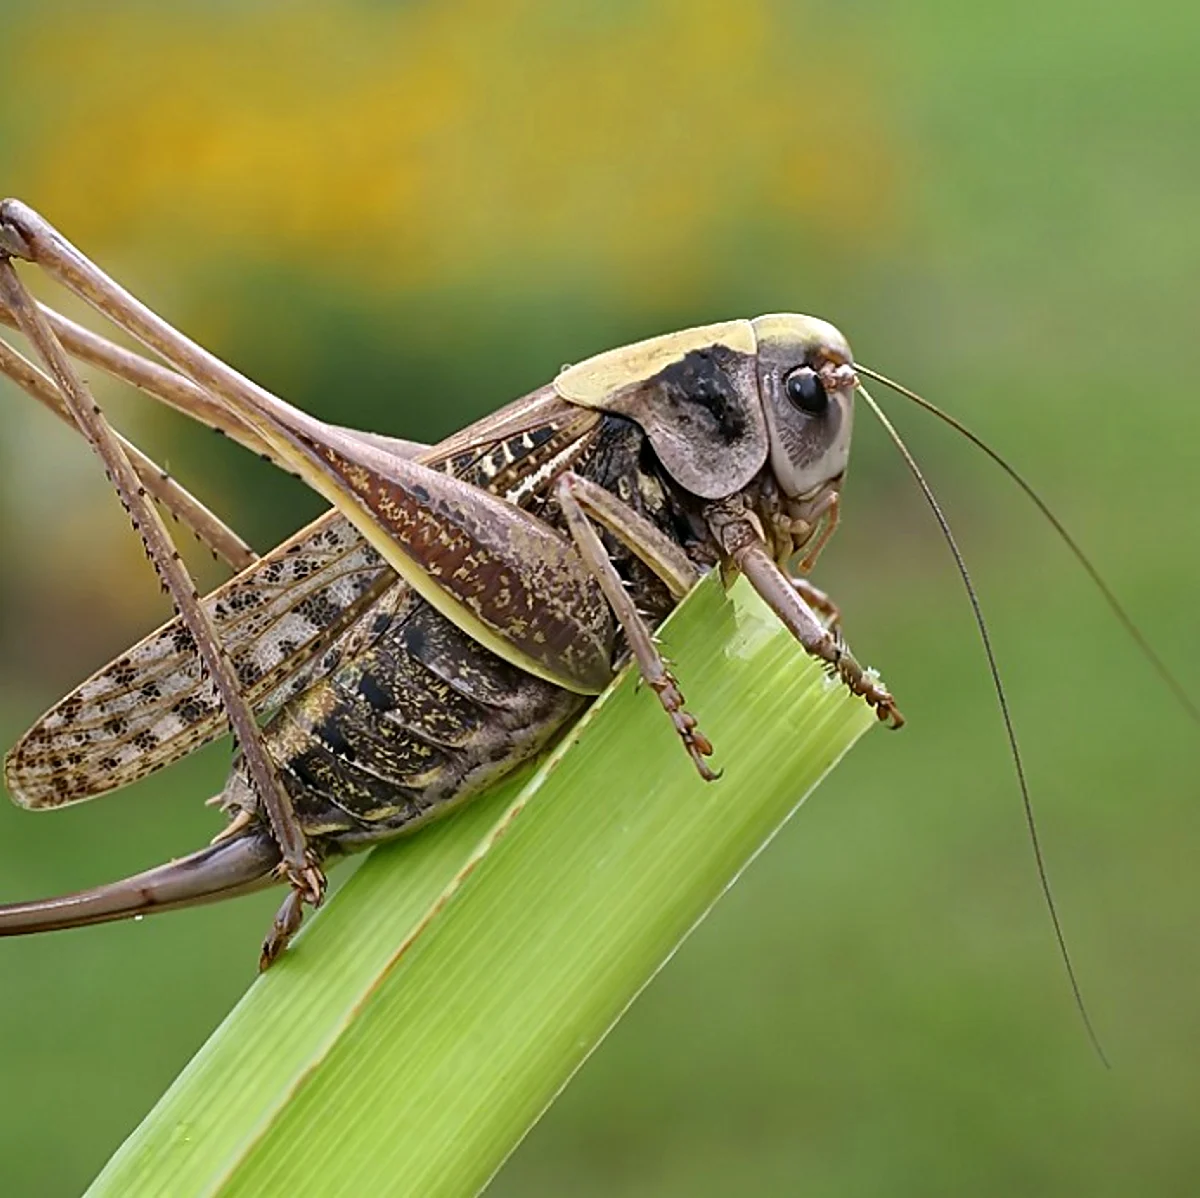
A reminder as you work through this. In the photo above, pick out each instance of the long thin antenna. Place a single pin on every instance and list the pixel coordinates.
(1123, 617)
(1018, 762)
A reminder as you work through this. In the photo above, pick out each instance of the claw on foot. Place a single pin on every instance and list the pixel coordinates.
(884, 704)
(697, 744)
(307, 889)
(863, 683)
(283, 927)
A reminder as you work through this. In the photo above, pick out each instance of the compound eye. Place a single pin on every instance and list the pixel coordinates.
(806, 391)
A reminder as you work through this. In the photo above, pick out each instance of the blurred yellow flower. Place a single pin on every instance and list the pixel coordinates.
(441, 143)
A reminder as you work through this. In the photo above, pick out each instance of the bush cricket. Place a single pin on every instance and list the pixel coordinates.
(458, 604)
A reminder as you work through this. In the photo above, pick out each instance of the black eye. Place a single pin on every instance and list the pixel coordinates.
(806, 391)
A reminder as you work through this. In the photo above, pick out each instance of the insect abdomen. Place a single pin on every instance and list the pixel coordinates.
(422, 718)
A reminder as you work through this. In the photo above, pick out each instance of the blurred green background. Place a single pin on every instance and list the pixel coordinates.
(399, 216)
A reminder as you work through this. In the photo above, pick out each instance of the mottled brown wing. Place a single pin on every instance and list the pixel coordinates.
(283, 621)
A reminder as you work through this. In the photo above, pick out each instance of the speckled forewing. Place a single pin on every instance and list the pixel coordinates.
(283, 621)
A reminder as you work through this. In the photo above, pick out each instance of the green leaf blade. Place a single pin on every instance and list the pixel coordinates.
(450, 990)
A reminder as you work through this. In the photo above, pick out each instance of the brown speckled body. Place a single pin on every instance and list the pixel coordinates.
(421, 717)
